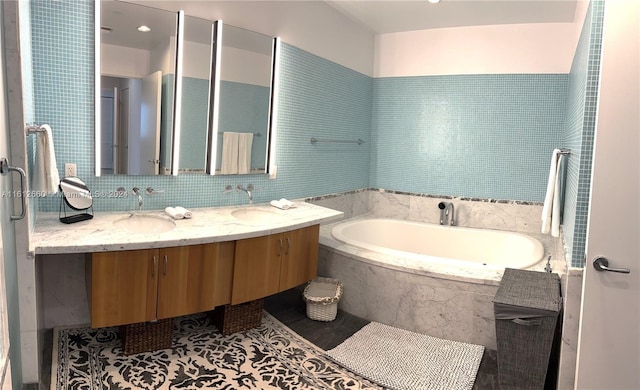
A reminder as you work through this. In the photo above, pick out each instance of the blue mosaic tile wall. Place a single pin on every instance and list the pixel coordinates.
(318, 99)
(486, 136)
(580, 130)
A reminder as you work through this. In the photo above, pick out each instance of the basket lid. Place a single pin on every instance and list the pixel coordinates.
(529, 289)
(323, 290)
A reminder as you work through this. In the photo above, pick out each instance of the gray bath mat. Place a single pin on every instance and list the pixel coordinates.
(403, 360)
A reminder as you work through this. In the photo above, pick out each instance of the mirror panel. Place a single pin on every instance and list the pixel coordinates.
(137, 81)
(196, 76)
(240, 145)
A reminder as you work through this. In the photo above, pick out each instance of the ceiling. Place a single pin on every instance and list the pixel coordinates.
(382, 17)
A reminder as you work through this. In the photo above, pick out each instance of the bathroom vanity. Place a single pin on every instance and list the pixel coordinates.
(220, 256)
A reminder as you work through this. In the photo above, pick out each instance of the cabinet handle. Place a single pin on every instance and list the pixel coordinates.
(165, 265)
(279, 246)
(286, 250)
(155, 266)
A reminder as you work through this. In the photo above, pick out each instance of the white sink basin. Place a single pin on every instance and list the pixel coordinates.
(256, 216)
(145, 224)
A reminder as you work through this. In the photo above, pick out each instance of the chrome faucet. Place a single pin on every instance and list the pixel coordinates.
(447, 210)
(452, 221)
(248, 190)
(136, 191)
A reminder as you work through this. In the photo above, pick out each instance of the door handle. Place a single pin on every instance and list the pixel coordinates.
(602, 264)
(6, 168)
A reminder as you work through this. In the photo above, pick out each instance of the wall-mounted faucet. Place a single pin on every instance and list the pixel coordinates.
(248, 190)
(447, 210)
(136, 191)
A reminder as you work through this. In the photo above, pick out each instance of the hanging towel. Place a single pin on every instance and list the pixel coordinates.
(553, 191)
(245, 142)
(229, 164)
(45, 177)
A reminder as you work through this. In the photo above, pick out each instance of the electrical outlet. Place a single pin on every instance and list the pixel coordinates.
(70, 169)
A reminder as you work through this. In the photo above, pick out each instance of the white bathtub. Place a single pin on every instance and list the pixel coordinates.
(432, 279)
(447, 245)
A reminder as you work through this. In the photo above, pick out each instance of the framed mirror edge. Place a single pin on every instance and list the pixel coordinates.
(177, 97)
(97, 131)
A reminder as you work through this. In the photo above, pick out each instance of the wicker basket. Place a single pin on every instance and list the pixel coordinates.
(146, 336)
(236, 318)
(322, 296)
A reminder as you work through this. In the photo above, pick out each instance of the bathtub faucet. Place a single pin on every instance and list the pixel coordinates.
(447, 210)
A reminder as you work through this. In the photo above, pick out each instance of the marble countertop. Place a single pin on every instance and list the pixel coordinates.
(207, 225)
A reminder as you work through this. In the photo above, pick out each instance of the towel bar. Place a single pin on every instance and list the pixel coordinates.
(315, 140)
(33, 129)
(255, 134)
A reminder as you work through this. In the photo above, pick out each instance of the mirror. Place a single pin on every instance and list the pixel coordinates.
(77, 197)
(136, 84)
(226, 99)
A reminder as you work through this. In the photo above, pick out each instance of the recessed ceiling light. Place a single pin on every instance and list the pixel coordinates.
(144, 28)
(434, 1)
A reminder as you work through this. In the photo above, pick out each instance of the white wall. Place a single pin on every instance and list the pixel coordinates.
(237, 65)
(112, 64)
(310, 25)
(522, 48)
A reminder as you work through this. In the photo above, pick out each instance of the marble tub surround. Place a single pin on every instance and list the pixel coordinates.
(352, 203)
(442, 300)
(522, 217)
(207, 225)
(446, 308)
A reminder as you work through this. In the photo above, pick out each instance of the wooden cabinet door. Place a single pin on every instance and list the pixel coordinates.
(256, 272)
(193, 279)
(300, 257)
(123, 287)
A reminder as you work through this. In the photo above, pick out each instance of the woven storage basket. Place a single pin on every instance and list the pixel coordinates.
(322, 296)
(236, 318)
(526, 306)
(146, 336)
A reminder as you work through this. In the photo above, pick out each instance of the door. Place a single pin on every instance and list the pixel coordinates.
(256, 270)
(609, 340)
(300, 259)
(108, 142)
(150, 124)
(123, 287)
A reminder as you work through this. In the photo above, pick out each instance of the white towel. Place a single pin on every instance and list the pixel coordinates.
(245, 142)
(173, 213)
(552, 191)
(283, 204)
(186, 213)
(555, 213)
(229, 164)
(45, 177)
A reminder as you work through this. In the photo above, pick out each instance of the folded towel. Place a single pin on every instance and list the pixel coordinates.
(229, 164)
(245, 142)
(45, 177)
(186, 213)
(173, 213)
(557, 200)
(283, 204)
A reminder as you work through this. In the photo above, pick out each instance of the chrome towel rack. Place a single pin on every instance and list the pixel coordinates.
(255, 134)
(315, 140)
(34, 128)
(565, 152)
